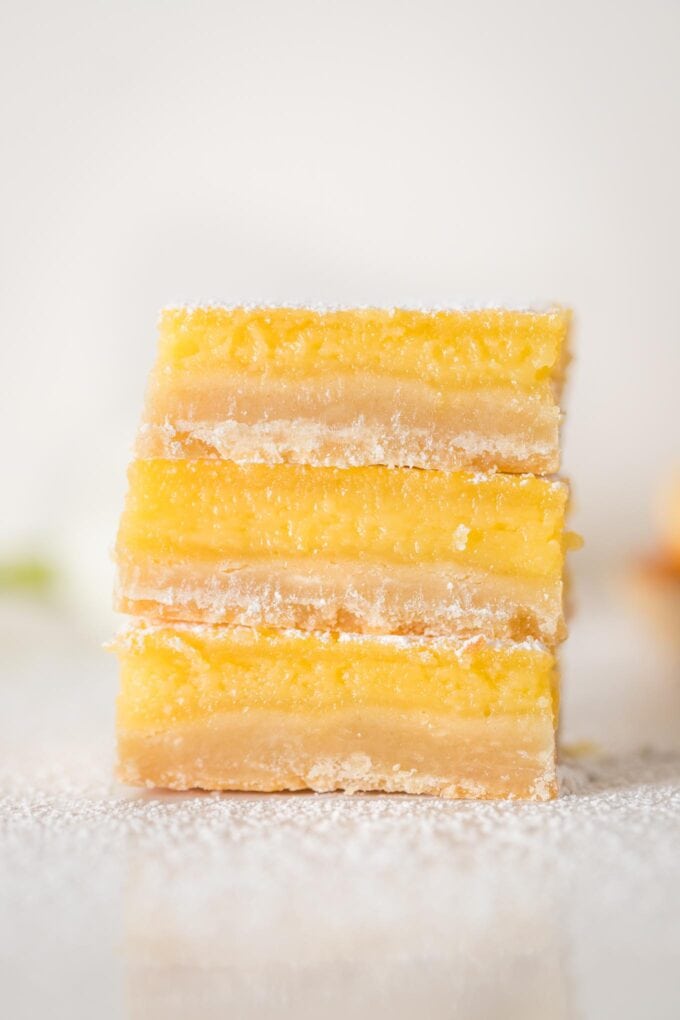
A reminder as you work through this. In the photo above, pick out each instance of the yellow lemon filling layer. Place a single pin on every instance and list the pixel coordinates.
(216, 511)
(183, 673)
(445, 349)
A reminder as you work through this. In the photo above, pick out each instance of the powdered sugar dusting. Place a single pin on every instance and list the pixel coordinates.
(538, 308)
(262, 905)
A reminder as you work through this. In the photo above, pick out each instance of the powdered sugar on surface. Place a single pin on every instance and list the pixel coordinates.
(532, 308)
(124, 903)
(263, 903)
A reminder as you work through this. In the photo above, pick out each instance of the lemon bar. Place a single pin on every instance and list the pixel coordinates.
(443, 389)
(239, 708)
(369, 550)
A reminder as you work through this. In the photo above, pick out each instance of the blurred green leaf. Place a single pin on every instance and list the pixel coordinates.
(32, 575)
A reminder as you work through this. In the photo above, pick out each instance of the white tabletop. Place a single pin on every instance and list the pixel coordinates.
(119, 903)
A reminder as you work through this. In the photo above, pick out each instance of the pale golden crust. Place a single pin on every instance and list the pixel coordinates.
(379, 749)
(348, 422)
(400, 599)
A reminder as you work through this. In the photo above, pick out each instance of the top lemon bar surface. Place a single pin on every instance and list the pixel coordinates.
(443, 347)
(444, 389)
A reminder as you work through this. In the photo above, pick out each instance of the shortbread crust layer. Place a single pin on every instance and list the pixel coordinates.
(247, 709)
(348, 422)
(360, 598)
(369, 750)
(367, 549)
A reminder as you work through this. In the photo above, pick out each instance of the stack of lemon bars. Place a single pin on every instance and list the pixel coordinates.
(343, 551)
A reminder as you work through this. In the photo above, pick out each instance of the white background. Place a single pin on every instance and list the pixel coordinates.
(365, 151)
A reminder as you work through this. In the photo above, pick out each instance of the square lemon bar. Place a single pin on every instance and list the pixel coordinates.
(443, 389)
(242, 708)
(371, 549)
